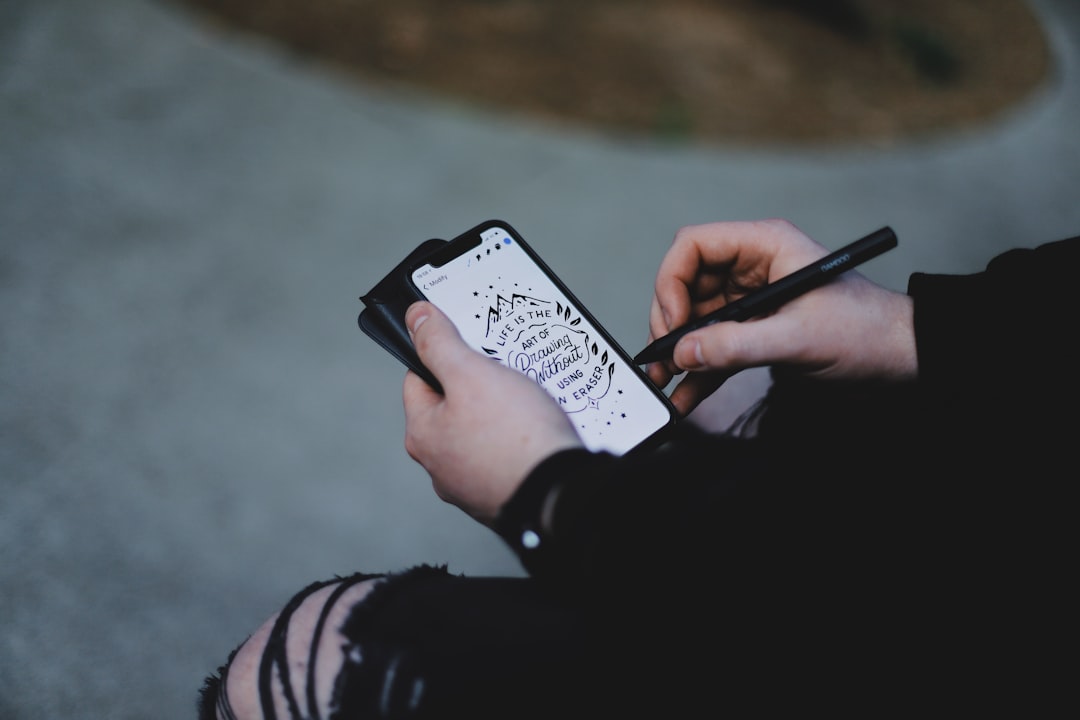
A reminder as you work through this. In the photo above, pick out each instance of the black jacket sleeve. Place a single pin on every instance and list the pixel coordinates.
(998, 362)
(899, 541)
(1010, 329)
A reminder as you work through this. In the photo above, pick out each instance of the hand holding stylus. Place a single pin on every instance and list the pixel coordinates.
(823, 322)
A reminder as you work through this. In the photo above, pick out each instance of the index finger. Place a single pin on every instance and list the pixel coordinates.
(740, 244)
(712, 259)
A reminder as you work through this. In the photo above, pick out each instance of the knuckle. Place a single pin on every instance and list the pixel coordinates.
(683, 235)
(412, 445)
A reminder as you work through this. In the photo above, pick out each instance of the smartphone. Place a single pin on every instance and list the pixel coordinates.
(509, 305)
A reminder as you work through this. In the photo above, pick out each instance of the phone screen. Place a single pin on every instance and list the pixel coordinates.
(506, 304)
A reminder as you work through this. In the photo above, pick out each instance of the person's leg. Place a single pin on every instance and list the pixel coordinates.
(414, 644)
(288, 666)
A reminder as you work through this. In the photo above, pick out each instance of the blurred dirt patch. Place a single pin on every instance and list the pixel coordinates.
(729, 71)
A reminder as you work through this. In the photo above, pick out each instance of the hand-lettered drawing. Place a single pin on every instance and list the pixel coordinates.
(546, 341)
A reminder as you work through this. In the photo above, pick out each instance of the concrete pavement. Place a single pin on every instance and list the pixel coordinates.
(191, 425)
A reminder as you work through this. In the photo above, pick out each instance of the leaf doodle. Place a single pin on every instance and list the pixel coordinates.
(575, 321)
(558, 307)
(611, 370)
(489, 351)
(603, 358)
(566, 313)
(595, 349)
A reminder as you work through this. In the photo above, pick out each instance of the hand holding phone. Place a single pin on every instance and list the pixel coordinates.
(507, 304)
(482, 437)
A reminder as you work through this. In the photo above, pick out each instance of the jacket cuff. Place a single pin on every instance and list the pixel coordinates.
(527, 521)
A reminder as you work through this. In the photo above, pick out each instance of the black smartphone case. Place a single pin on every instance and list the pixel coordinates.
(383, 317)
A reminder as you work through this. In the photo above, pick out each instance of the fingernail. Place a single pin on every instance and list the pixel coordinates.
(418, 321)
(698, 361)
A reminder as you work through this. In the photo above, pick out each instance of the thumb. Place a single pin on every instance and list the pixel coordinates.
(437, 341)
(733, 346)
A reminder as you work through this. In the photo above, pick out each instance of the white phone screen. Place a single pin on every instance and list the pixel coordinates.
(505, 306)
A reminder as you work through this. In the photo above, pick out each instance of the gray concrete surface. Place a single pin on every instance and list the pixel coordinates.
(191, 425)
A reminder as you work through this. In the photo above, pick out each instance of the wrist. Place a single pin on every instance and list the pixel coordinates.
(903, 354)
(527, 522)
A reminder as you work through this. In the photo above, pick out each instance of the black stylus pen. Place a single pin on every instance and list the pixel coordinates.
(771, 296)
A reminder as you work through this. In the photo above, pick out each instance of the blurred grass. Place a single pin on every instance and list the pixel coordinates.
(696, 70)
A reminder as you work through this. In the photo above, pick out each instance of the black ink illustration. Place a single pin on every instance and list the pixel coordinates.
(548, 342)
